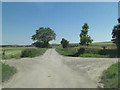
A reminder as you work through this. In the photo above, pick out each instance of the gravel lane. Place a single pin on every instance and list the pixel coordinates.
(53, 70)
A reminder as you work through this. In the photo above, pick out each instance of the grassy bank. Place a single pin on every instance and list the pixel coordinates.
(32, 52)
(15, 52)
(110, 76)
(88, 52)
(7, 72)
(66, 51)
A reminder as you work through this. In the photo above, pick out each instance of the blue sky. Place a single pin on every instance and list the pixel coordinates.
(20, 20)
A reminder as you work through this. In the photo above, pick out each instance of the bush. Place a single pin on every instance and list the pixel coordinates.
(102, 52)
(92, 50)
(81, 51)
(64, 43)
(29, 52)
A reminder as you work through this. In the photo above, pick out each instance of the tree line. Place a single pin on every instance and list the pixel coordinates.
(44, 35)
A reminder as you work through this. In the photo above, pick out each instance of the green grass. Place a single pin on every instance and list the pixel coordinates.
(7, 72)
(15, 52)
(94, 55)
(32, 52)
(110, 76)
(12, 52)
(102, 43)
(88, 53)
(67, 52)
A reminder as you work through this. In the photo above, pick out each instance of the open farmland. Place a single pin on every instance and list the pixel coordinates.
(101, 50)
(13, 52)
(102, 43)
(97, 45)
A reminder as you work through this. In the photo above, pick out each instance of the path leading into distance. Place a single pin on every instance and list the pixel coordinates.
(53, 70)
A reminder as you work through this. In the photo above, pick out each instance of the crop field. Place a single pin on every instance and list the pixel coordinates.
(97, 45)
(103, 43)
(12, 52)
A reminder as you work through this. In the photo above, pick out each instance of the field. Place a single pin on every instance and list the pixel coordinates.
(13, 52)
(98, 50)
(103, 43)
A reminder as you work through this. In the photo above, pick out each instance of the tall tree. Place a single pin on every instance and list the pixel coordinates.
(84, 38)
(43, 36)
(116, 36)
(64, 43)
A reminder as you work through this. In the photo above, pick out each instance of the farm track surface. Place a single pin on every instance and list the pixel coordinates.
(53, 70)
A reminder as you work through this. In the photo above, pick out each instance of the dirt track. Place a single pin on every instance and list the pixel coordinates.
(52, 70)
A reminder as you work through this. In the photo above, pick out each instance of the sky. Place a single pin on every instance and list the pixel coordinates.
(60, 0)
(20, 20)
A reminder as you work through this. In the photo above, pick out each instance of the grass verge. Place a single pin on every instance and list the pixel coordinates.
(15, 52)
(32, 52)
(66, 52)
(7, 72)
(110, 76)
(74, 53)
(94, 55)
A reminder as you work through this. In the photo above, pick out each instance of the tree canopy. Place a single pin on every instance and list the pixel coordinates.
(64, 43)
(43, 36)
(116, 36)
(85, 39)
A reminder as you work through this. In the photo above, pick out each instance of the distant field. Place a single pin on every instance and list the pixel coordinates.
(98, 50)
(92, 44)
(13, 52)
(103, 43)
(96, 45)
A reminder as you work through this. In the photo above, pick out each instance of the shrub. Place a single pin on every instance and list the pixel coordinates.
(64, 43)
(92, 51)
(102, 52)
(29, 52)
(81, 51)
